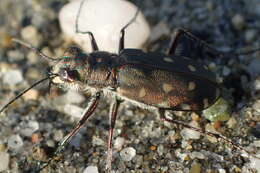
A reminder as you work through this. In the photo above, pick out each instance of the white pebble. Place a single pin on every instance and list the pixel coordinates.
(30, 33)
(5, 158)
(104, 19)
(73, 96)
(12, 77)
(221, 170)
(119, 142)
(190, 134)
(91, 169)
(196, 154)
(255, 163)
(15, 142)
(29, 128)
(226, 71)
(127, 154)
(73, 110)
(238, 21)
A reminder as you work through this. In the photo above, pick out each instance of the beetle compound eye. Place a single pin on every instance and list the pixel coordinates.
(68, 75)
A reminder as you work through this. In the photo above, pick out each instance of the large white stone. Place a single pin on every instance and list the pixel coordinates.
(104, 18)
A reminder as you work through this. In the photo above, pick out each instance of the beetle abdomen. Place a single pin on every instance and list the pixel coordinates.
(164, 89)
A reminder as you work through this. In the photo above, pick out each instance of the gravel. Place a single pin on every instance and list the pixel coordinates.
(143, 142)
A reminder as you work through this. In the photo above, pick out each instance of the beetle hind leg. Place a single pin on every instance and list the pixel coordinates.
(203, 132)
(184, 43)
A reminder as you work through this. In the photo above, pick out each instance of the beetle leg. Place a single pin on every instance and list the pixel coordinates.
(86, 115)
(91, 35)
(203, 132)
(112, 116)
(192, 40)
(122, 32)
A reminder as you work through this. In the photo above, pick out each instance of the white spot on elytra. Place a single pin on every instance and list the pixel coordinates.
(167, 87)
(206, 102)
(191, 86)
(192, 68)
(205, 67)
(142, 92)
(185, 107)
(168, 59)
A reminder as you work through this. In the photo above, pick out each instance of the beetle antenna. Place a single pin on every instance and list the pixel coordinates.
(24, 91)
(37, 51)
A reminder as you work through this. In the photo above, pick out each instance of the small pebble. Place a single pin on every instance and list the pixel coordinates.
(253, 67)
(58, 135)
(195, 168)
(74, 97)
(30, 34)
(160, 150)
(32, 94)
(238, 21)
(219, 111)
(91, 169)
(226, 71)
(73, 110)
(96, 141)
(197, 155)
(190, 134)
(256, 143)
(5, 158)
(250, 35)
(209, 127)
(255, 163)
(14, 55)
(127, 154)
(75, 141)
(29, 128)
(105, 22)
(221, 170)
(15, 142)
(13, 77)
(50, 143)
(182, 156)
(35, 137)
(119, 142)
(231, 123)
(256, 84)
(256, 106)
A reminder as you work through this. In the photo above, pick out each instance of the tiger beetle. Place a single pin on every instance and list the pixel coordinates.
(153, 81)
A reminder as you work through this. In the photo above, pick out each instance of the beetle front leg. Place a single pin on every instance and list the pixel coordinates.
(122, 32)
(112, 117)
(192, 42)
(86, 115)
(91, 35)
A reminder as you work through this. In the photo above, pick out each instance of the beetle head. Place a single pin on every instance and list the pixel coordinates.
(70, 69)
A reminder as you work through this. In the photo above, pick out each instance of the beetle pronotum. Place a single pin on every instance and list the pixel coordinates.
(158, 82)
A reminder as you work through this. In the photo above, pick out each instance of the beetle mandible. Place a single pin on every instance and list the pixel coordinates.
(154, 81)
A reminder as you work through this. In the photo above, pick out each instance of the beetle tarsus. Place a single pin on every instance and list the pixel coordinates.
(204, 132)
